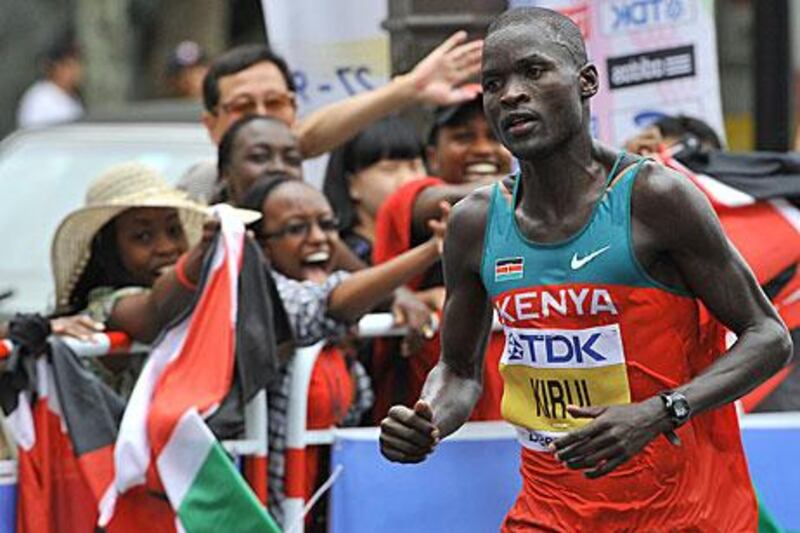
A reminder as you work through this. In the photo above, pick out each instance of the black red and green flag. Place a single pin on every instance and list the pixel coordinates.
(80, 460)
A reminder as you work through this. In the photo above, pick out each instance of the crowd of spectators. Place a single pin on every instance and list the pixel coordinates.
(129, 259)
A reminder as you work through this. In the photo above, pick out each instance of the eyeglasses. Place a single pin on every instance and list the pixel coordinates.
(271, 103)
(301, 229)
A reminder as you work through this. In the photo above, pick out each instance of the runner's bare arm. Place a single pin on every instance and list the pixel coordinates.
(454, 385)
(436, 79)
(715, 272)
(677, 220)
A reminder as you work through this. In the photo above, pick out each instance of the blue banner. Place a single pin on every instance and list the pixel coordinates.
(472, 479)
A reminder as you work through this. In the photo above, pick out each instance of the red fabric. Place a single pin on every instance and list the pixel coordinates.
(52, 494)
(393, 222)
(392, 238)
(330, 395)
(330, 391)
(58, 491)
(703, 485)
(194, 380)
(765, 238)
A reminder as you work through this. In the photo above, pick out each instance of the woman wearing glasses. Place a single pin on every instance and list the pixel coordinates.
(299, 236)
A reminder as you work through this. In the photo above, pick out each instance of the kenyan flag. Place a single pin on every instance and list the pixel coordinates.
(164, 442)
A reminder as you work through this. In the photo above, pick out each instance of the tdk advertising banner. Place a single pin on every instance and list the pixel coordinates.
(654, 57)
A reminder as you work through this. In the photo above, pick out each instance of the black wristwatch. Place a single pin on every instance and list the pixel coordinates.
(677, 407)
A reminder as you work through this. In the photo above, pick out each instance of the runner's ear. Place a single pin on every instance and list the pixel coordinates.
(589, 80)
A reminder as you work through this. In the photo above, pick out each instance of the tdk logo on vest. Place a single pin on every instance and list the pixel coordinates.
(580, 348)
(533, 304)
(555, 349)
(631, 15)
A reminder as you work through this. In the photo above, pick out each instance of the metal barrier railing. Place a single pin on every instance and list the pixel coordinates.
(253, 447)
(298, 437)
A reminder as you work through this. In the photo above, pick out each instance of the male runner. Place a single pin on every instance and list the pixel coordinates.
(600, 268)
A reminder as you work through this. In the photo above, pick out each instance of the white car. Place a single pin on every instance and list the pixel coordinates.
(44, 174)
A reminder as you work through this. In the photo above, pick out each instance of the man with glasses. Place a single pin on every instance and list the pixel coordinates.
(252, 79)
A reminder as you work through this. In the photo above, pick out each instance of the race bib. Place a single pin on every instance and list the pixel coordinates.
(545, 370)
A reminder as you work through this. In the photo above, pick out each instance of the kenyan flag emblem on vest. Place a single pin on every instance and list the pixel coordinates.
(508, 269)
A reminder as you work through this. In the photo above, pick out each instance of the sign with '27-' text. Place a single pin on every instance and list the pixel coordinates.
(334, 50)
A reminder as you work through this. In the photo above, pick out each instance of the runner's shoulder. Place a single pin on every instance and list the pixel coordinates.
(666, 199)
(475, 204)
(658, 188)
(468, 217)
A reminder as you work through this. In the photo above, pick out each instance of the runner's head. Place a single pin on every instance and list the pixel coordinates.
(462, 146)
(257, 148)
(536, 81)
(298, 230)
(247, 80)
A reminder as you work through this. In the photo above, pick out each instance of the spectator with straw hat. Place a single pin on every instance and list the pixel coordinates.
(130, 257)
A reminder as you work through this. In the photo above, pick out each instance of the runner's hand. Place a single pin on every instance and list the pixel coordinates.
(437, 77)
(409, 435)
(617, 433)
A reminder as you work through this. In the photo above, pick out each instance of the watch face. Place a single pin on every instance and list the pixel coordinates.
(680, 409)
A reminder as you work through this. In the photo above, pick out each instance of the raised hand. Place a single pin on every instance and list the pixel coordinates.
(438, 77)
(194, 257)
(647, 142)
(409, 435)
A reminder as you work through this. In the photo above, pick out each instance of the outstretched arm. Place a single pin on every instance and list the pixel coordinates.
(670, 211)
(367, 288)
(434, 80)
(454, 385)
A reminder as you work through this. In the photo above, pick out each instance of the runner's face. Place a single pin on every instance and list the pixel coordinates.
(149, 239)
(533, 93)
(259, 89)
(468, 152)
(262, 149)
(299, 232)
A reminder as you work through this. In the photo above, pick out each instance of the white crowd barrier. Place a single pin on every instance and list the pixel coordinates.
(253, 446)
(762, 434)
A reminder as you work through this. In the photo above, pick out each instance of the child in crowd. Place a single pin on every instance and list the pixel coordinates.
(366, 170)
(298, 233)
(124, 259)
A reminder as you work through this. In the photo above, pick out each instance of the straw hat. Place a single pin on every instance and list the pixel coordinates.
(119, 188)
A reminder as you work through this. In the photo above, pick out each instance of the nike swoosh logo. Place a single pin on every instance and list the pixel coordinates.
(578, 263)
